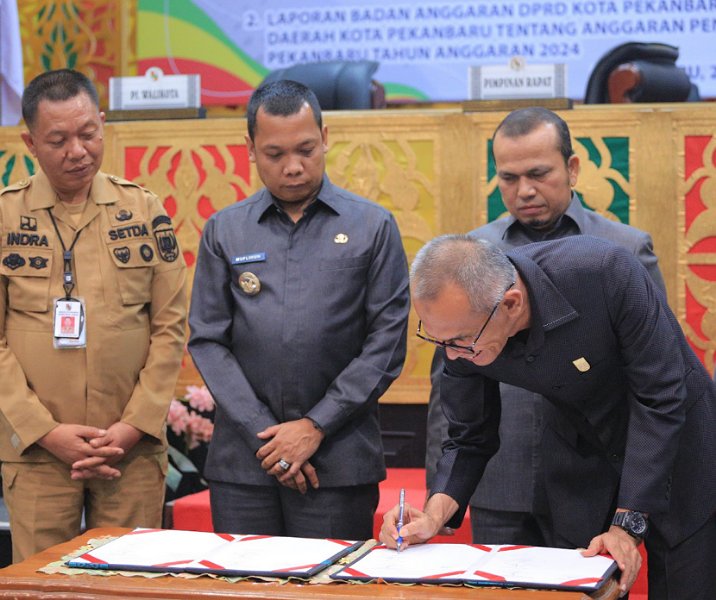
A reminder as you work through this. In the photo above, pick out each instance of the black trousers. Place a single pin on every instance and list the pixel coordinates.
(688, 570)
(504, 527)
(339, 512)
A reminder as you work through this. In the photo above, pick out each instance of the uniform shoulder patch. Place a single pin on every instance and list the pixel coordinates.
(165, 238)
(18, 185)
(115, 179)
(161, 220)
(167, 244)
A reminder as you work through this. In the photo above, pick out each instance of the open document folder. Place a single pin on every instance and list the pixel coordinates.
(489, 565)
(174, 551)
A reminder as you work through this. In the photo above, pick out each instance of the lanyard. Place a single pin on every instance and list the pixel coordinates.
(68, 282)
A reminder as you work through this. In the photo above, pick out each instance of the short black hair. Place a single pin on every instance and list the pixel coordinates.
(525, 120)
(56, 86)
(281, 98)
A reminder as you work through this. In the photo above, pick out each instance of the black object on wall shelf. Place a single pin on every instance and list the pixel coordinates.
(403, 429)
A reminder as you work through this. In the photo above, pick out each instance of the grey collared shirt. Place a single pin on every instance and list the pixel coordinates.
(570, 223)
(578, 220)
(323, 338)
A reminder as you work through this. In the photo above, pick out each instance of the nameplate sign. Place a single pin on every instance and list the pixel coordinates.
(517, 80)
(154, 90)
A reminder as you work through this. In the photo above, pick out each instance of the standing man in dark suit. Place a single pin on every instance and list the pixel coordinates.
(298, 325)
(628, 451)
(536, 171)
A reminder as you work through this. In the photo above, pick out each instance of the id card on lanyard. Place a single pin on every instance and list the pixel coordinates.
(69, 329)
(68, 317)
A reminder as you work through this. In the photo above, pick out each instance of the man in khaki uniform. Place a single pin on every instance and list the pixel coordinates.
(92, 317)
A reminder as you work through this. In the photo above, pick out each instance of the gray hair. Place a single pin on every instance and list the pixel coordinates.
(479, 267)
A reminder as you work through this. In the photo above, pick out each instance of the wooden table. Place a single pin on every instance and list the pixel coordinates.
(22, 581)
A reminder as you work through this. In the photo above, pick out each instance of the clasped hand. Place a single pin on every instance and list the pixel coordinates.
(294, 442)
(91, 451)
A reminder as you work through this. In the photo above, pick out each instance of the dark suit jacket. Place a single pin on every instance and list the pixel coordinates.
(634, 429)
(324, 337)
(511, 476)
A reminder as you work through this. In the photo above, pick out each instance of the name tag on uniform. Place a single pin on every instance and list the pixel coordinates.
(249, 258)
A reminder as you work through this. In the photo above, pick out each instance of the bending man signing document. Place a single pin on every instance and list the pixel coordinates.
(628, 445)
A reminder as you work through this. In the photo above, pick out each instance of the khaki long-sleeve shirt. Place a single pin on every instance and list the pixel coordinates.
(131, 276)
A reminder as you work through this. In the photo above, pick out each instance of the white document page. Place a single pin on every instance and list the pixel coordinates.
(525, 566)
(424, 561)
(271, 555)
(153, 549)
(530, 565)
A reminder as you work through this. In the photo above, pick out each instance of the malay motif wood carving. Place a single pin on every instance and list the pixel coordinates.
(96, 38)
(698, 254)
(399, 172)
(652, 166)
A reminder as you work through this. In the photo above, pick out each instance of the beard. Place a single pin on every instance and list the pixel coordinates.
(541, 224)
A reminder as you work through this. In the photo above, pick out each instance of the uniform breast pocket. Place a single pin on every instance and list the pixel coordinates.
(348, 262)
(28, 273)
(583, 370)
(134, 262)
(343, 280)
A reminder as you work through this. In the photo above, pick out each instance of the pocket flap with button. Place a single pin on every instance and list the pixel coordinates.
(26, 262)
(134, 260)
(28, 272)
(346, 262)
(133, 254)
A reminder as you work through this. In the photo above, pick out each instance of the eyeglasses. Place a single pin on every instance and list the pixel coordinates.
(459, 347)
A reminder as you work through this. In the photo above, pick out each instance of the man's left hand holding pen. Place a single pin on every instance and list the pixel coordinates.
(418, 526)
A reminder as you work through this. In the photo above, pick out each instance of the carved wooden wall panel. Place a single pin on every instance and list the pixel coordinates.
(695, 229)
(652, 166)
(96, 38)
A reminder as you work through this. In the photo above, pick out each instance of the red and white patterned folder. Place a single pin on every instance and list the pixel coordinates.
(477, 564)
(173, 551)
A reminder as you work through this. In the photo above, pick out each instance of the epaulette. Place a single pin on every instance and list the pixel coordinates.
(124, 182)
(14, 187)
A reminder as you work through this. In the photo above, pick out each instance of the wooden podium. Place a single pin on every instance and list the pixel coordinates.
(24, 581)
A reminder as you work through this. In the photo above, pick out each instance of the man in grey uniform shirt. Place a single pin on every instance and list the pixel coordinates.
(298, 326)
(536, 170)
